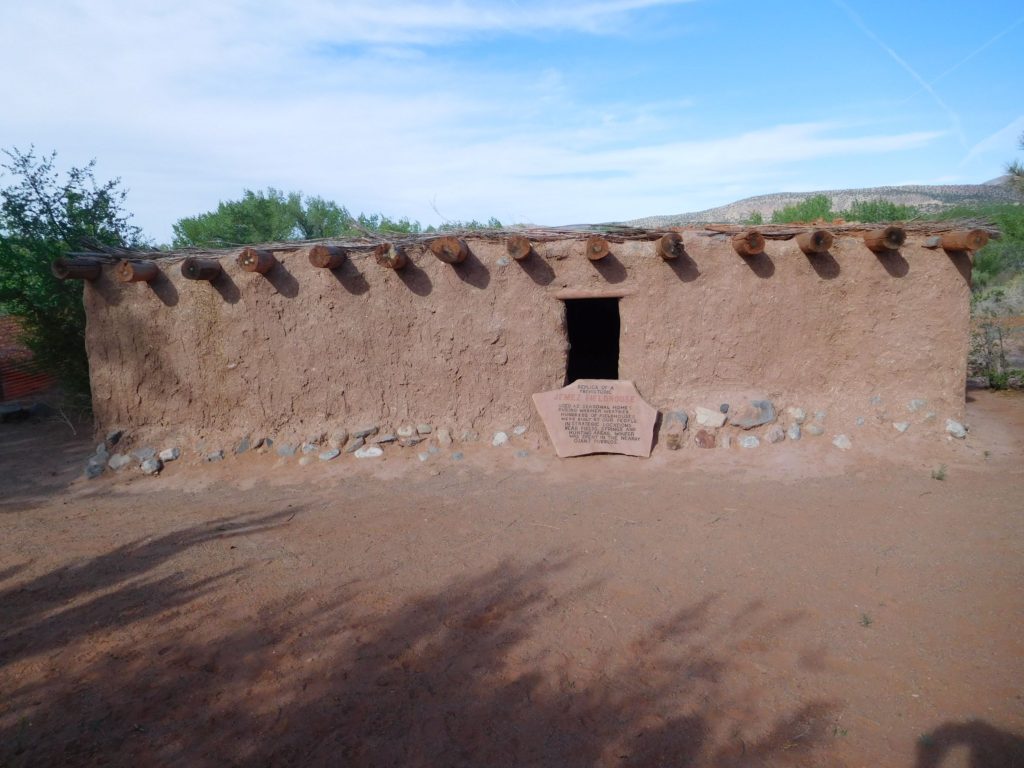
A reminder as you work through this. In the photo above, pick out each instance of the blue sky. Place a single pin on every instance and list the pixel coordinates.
(541, 112)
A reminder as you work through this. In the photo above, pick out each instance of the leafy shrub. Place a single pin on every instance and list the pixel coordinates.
(817, 207)
(41, 219)
(871, 211)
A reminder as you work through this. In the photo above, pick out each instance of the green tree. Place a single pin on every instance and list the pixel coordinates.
(42, 217)
(261, 217)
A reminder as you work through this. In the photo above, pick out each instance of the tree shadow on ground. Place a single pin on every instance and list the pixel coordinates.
(39, 461)
(987, 746)
(61, 606)
(492, 668)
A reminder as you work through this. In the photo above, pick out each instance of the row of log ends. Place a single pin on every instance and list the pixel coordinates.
(453, 250)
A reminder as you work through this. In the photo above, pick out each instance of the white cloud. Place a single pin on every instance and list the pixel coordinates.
(192, 102)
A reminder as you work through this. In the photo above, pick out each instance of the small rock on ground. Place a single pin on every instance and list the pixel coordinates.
(330, 453)
(776, 435)
(956, 429)
(749, 441)
(170, 454)
(243, 445)
(215, 455)
(151, 466)
(793, 433)
(338, 439)
(305, 461)
(500, 438)
(458, 456)
(423, 455)
(119, 461)
(901, 426)
(355, 444)
(141, 454)
(705, 439)
(519, 430)
(444, 438)
(308, 448)
(409, 442)
(916, 405)
(369, 452)
(424, 429)
(842, 442)
(385, 439)
(365, 431)
(286, 450)
(815, 429)
(406, 430)
(798, 414)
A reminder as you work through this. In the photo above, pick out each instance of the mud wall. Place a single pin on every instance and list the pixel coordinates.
(303, 349)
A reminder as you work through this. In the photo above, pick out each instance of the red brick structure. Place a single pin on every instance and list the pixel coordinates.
(19, 376)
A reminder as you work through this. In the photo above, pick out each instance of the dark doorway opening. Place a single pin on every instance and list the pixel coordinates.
(593, 329)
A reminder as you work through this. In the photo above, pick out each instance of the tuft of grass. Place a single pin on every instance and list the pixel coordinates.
(866, 620)
(939, 473)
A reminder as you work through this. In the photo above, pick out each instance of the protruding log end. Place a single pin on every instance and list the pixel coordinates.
(136, 271)
(252, 260)
(327, 256)
(194, 268)
(76, 269)
(815, 241)
(749, 243)
(390, 256)
(450, 250)
(964, 240)
(670, 246)
(519, 247)
(597, 248)
(883, 240)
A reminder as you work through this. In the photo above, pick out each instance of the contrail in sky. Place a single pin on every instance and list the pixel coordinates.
(975, 52)
(953, 116)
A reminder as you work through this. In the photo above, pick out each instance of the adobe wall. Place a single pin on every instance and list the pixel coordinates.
(305, 349)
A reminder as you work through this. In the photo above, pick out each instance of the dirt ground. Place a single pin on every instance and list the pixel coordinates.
(695, 609)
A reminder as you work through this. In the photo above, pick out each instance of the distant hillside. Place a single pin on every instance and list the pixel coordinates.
(928, 199)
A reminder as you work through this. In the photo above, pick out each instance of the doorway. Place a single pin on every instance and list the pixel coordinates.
(592, 326)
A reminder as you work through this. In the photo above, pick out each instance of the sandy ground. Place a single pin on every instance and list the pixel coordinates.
(696, 609)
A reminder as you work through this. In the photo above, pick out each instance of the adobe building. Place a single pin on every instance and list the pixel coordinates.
(286, 340)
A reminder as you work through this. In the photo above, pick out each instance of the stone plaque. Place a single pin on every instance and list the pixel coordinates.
(597, 416)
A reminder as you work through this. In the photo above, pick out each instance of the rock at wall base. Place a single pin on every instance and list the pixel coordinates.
(705, 439)
(753, 414)
(707, 417)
